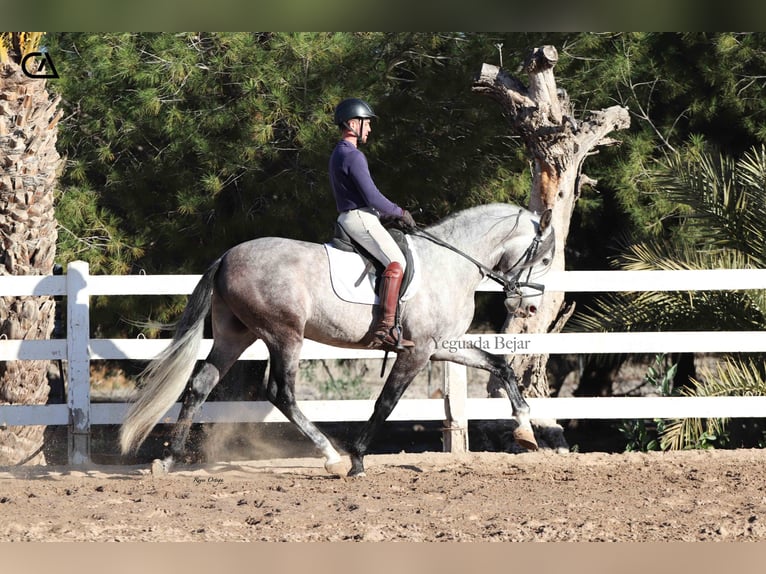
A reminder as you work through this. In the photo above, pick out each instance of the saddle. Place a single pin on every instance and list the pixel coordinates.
(342, 241)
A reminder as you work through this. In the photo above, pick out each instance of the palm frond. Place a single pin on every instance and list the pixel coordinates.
(725, 199)
(675, 310)
(13, 45)
(721, 205)
(732, 377)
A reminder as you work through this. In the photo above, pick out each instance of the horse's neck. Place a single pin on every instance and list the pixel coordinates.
(480, 231)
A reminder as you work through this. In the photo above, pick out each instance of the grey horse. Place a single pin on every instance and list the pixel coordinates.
(279, 291)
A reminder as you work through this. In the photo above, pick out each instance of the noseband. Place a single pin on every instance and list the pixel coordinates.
(513, 287)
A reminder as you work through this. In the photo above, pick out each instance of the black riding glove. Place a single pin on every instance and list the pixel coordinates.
(408, 221)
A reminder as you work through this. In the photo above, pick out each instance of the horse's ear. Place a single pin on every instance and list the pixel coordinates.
(545, 220)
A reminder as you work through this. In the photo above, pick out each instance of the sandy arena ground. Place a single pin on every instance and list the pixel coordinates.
(682, 496)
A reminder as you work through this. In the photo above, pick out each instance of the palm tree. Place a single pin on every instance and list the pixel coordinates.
(30, 164)
(722, 213)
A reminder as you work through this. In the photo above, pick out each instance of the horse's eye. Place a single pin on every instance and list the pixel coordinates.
(546, 261)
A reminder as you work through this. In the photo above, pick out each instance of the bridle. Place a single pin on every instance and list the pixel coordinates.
(511, 284)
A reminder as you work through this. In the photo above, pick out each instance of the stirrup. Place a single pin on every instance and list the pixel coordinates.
(392, 342)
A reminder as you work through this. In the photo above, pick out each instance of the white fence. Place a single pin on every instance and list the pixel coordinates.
(78, 349)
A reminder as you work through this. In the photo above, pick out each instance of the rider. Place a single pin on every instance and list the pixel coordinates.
(361, 205)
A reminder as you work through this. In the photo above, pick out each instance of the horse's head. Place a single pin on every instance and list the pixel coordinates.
(526, 255)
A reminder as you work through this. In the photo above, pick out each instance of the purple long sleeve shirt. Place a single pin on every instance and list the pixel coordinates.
(352, 183)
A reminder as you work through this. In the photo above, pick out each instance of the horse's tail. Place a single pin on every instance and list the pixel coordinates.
(164, 379)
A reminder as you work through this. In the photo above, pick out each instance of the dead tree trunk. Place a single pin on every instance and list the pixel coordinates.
(558, 144)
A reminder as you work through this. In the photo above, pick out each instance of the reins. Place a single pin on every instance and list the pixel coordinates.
(510, 286)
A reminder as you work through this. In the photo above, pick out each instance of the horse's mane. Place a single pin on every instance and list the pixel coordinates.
(488, 216)
(485, 212)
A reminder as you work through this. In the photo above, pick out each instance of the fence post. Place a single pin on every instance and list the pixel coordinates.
(78, 357)
(455, 397)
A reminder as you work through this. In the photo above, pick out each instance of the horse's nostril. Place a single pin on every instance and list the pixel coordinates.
(532, 309)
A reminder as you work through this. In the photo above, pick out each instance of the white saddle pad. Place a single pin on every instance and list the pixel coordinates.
(352, 281)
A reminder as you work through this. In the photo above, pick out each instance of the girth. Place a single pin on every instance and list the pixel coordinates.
(345, 242)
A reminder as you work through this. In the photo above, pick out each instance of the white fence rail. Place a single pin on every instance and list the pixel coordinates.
(78, 349)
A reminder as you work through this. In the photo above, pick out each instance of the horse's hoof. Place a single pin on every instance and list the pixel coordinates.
(160, 467)
(525, 438)
(357, 469)
(339, 468)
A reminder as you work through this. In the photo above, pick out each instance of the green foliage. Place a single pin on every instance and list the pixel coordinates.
(205, 140)
(678, 87)
(720, 206)
(731, 377)
(661, 434)
(180, 145)
(719, 203)
(641, 435)
(348, 386)
(727, 203)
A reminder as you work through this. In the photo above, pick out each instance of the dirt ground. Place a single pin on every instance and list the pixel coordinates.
(543, 496)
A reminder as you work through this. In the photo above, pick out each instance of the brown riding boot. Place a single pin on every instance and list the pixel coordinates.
(386, 333)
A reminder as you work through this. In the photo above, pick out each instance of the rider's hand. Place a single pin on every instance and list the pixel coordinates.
(408, 220)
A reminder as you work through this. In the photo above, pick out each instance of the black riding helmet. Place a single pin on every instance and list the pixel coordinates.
(351, 108)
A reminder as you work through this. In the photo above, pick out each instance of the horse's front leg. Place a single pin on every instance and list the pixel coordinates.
(496, 365)
(284, 356)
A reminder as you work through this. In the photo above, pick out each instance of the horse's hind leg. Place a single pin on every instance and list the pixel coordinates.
(231, 338)
(205, 378)
(281, 392)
